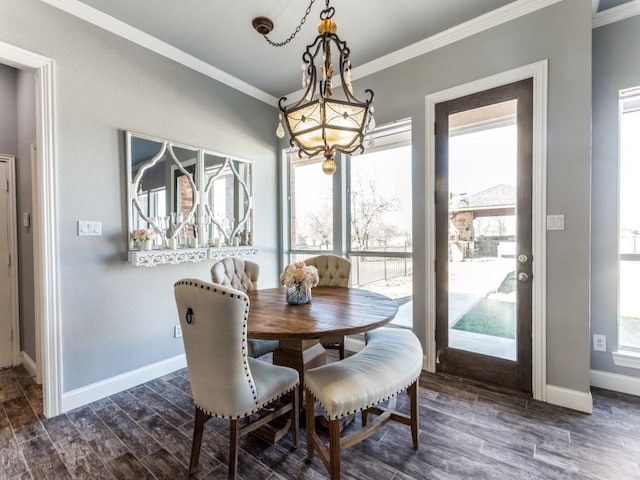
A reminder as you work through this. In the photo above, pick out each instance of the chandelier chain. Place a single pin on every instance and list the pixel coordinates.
(292, 36)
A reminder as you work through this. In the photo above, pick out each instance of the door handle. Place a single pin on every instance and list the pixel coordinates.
(523, 277)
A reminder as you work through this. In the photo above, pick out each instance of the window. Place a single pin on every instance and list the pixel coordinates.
(629, 236)
(311, 205)
(362, 212)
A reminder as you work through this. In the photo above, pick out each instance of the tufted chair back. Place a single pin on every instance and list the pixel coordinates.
(334, 271)
(215, 342)
(236, 273)
(242, 275)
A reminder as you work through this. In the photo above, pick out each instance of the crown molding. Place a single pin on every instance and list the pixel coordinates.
(476, 25)
(479, 24)
(124, 30)
(595, 5)
(616, 14)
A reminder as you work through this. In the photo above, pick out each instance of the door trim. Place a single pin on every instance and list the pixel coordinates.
(47, 291)
(538, 71)
(12, 223)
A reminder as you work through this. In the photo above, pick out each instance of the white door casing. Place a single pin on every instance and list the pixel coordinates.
(9, 329)
(46, 281)
(537, 71)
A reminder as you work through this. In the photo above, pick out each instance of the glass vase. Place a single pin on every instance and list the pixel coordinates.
(298, 294)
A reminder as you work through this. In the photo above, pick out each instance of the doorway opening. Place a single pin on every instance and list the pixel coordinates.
(46, 285)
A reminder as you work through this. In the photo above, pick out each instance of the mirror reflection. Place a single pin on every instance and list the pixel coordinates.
(184, 197)
(227, 199)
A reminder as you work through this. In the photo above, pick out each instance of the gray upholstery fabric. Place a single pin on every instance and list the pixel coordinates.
(225, 382)
(388, 364)
(242, 275)
(334, 271)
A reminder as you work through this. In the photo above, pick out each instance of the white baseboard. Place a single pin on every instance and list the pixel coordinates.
(29, 365)
(96, 391)
(615, 382)
(572, 399)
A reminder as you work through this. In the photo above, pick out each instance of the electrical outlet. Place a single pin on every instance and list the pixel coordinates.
(599, 343)
(177, 331)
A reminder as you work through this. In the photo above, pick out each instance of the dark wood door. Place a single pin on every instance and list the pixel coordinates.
(484, 235)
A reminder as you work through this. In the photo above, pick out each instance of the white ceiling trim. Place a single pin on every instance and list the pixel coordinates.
(479, 24)
(124, 30)
(595, 5)
(616, 14)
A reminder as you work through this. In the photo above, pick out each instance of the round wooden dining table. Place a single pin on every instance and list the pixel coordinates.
(333, 310)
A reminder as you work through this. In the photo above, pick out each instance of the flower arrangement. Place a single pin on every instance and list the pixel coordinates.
(143, 234)
(299, 274)
(299, 278)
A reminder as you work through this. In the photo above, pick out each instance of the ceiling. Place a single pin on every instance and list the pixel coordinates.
(220, 33)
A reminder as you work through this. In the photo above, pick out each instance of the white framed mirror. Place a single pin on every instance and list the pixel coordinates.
(186, 197)
(227, 199)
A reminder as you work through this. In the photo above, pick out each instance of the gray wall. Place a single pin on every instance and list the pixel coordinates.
(8, 121)
(26, 116)
(616, 66)
(560, 33)
(115, 317)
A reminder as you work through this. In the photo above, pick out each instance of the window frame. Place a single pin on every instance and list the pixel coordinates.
(625, 355)
(392, 135)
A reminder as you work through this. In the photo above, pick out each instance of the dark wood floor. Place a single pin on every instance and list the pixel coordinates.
(468, 431)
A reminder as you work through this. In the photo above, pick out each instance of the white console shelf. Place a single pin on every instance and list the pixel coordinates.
(151, 258)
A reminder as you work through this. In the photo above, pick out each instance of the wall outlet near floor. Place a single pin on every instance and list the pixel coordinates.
(599, 343)
(177, 331)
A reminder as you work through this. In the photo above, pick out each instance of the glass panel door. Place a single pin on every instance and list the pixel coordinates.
(483, 235)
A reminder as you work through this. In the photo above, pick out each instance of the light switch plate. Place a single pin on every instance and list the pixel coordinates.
(89, 228)
(555, 222)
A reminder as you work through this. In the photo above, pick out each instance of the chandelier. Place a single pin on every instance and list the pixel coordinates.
(320, 122)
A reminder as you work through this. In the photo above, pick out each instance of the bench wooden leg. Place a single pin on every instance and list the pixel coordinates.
(413, 399)
(311, 423)
(295, 416)
(334, 449)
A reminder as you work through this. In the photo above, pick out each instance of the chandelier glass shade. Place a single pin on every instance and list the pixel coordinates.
(318, 122)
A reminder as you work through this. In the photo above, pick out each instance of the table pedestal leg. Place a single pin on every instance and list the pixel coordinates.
(301, 355)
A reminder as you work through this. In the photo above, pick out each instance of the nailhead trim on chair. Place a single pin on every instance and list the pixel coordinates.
(245, 360)
(341, 400)
(359, 409)
(250, 412)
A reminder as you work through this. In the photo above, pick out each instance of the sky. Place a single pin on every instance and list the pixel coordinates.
(481, 160)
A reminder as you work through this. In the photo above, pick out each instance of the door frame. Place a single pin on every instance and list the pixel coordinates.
(45, 244)
(12, 224)
(538, 71)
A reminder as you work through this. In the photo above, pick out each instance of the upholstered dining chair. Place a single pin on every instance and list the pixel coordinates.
(225, 381)
(333, 271)
(242, 275)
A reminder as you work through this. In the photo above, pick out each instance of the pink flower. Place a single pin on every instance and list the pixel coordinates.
(299, 273)
(143, 234)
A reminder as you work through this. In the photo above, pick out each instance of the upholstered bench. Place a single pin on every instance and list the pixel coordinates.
(390, 362)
